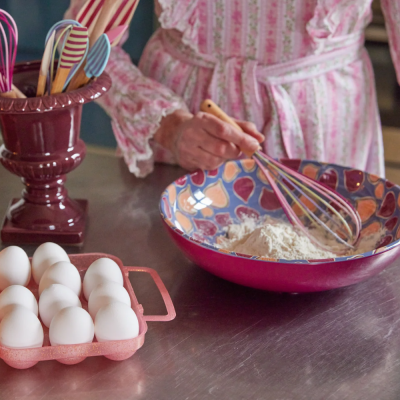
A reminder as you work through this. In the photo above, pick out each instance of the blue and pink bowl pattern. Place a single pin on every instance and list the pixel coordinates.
(198, 206)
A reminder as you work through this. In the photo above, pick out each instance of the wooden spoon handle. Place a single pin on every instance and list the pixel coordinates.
(78, 79)
(208, 106)
(18, 93)
(41, 85)
(11, 94)
(59, 80)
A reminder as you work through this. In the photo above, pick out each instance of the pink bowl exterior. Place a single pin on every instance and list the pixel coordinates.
(281, 277)
(197, 207)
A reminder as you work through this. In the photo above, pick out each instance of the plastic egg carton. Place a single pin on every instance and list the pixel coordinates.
(114, 350)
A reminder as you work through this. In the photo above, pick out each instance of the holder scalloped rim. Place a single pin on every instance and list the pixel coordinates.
(83, 95)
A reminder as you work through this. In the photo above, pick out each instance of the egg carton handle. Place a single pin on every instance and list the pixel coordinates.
(171, 314)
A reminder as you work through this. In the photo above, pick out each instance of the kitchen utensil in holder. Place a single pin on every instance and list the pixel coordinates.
(41, 145)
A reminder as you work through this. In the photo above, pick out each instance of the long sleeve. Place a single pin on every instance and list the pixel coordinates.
(136, 105)
(391, 12)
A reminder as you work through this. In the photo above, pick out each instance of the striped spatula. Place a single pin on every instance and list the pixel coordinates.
(59, 33)
(88, 14)
(115, 34)
(106, 13)
(123, 16)
(93, 15)
(97, 57)
(74, 50)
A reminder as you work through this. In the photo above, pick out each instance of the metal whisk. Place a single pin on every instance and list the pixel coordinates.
(8, 52)
(306, 202)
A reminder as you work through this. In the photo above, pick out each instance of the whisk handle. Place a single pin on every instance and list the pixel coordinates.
(208, 106)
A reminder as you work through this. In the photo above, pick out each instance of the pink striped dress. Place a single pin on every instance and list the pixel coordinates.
(298, 69)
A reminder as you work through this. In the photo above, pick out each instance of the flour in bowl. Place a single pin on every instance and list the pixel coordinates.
(279, 239)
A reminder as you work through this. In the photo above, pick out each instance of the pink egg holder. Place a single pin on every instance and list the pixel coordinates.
(114, 350)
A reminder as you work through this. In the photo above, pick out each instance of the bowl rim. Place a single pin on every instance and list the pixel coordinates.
(208, 246)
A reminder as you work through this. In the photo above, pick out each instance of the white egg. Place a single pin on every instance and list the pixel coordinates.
(116, 321)
(55, 298)
(17, 295)
(64, 273)
(46, 255)
(106, 293)
(71, 325)
(21, 329)
(15, 268)
(102, 270)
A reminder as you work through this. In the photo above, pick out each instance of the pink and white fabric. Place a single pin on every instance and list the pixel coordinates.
(298, 69)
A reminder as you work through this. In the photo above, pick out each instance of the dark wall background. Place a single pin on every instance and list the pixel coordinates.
(35, 17)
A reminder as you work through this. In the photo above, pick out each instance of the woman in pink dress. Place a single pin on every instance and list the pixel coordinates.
(296, 69)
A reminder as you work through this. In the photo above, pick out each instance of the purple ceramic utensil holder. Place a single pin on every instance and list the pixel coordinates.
(41, 145)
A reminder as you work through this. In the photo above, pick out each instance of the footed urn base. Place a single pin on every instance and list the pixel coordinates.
(67, 235)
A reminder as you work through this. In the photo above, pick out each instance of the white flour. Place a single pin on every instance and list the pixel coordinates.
(278, 239)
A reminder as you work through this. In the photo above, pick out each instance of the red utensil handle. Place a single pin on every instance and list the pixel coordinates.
(171, 314)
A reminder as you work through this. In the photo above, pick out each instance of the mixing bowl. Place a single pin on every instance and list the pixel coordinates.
(197, 207)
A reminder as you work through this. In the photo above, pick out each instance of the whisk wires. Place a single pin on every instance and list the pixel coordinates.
(306, 202)
(8, 50)
(288, 180)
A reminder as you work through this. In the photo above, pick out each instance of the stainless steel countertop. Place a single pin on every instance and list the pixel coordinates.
(227, 341)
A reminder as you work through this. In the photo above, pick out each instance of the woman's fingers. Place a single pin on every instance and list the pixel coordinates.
(200, 150)
(251, 129)
(203, 161)
(224, 131)
(219, 148)
(204, 141)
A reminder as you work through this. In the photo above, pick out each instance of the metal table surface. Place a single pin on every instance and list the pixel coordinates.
(227, 341)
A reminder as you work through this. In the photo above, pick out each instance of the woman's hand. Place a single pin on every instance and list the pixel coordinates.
(204, 141)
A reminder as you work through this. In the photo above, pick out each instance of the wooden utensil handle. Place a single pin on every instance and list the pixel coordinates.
(59, 80)
(41, 85)
(78, 78)
(81, 80)
(14, 93)
(18, 93)
(208, 106)
(11, 94)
